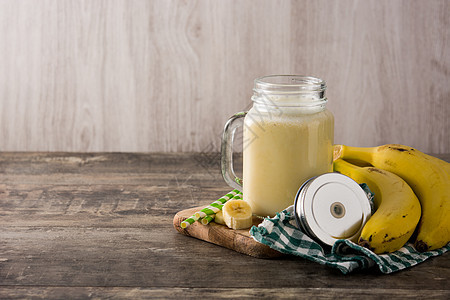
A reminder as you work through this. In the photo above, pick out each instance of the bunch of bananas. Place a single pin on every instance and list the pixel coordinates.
(412, 195)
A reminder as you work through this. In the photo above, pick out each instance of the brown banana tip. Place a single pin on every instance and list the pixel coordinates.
(421, 246)
(364, 243)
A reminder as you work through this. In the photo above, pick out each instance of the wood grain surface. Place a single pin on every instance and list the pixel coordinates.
(146, 76)
(237, 240)
(77, 226)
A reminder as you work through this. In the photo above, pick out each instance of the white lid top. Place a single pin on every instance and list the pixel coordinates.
(332, 206)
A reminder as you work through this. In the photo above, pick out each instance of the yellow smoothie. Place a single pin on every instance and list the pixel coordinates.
(281, 151)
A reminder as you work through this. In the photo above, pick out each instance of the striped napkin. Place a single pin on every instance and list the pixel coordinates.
(282, 234)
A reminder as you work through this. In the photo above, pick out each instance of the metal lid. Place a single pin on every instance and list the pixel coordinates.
(332, 206)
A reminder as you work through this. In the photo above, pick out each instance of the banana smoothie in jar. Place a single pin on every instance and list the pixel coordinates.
(288, 138)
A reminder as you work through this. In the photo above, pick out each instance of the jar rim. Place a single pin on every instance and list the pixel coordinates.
(289, 84)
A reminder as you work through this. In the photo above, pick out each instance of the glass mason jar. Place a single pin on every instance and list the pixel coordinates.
(288, 138)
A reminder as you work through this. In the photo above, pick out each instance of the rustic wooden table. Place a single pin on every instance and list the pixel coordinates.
(100, 225)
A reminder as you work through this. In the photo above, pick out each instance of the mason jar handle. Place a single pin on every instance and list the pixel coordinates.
(229, 130)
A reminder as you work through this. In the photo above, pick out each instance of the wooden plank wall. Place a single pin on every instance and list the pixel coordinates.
(164, 75)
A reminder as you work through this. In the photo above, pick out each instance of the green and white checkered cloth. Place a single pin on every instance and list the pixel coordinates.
(281, 233)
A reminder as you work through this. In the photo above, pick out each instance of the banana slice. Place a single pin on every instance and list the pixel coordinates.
(218, 218)
(237, 214)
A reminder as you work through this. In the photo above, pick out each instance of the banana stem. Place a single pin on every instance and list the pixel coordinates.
(360, 175)
(349, 152)
(344, 167)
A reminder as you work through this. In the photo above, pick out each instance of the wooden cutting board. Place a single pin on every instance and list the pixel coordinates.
(237, 240)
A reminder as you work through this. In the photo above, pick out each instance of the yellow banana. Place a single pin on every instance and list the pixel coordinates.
(237, 214)
(397, 207)
(443, 164)
(426, 175)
